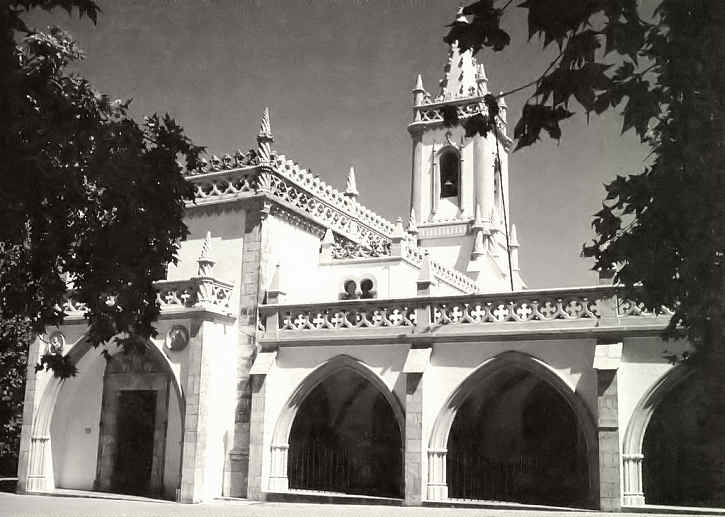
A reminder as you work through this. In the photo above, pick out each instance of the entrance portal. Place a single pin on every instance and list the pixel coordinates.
(517, 439)
(134, 414)
(135, 442)
(345, 438)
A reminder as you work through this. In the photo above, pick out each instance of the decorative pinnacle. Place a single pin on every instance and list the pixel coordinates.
(419, 84)
(264, 138)
(426, 277)
(275, 289)
(513, 238)
(502, 101)
(329, 238)
(205, 261)
(265, 127)
(351, 186)
(412, 225)
(398, 231)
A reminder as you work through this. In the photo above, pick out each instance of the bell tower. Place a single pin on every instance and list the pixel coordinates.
(459, 188)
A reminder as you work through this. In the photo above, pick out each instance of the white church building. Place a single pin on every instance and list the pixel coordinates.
(310, 349)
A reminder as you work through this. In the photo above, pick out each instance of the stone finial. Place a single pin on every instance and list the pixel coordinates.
(513, 238)
(265, 138)
(397, 238)
(481, 80)
(412, 224)
(205, 260)
(514, 248)
(502, 106)
(426, 277)
(418, 92)
(351, 186)
(399, 231)
(328, 243)
(265, 127)
(275, 291)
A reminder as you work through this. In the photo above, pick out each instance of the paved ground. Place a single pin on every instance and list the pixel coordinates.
(46, 506)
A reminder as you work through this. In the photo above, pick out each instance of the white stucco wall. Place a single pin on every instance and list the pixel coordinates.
(297, 252)
(74, 429)
(219, 343)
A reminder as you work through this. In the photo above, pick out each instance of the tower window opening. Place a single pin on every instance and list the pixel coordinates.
(449, 166)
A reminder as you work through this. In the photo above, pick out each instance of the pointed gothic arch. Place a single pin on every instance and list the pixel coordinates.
(632, 457)
(441, 430)
(279, 449)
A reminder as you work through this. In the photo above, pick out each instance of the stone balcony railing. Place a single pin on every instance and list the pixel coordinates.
(282, 180)
(558, 311)
(199, 293)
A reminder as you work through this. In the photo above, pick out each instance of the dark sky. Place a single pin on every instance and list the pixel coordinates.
(337, 75)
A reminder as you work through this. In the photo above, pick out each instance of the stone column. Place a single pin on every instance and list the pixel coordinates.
(606, 362)
(633, 492)
(437, 483)
(256, 438)
(278, 481)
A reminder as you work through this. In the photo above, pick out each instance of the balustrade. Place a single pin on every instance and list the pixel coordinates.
(482, 309)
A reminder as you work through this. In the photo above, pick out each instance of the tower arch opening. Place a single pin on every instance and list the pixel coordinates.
(449, 173)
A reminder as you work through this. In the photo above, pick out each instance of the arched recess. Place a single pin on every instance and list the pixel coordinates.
(40, 476)
(440, 433)
(634, 435)
(278, 479)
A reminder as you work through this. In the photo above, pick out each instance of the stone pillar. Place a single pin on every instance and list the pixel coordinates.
(256, 439)
(193, 461)
(606, 362)
(633, 492)
(416, 193)
(437, 483)
(413, 369)
(413, 438)
(236, 467)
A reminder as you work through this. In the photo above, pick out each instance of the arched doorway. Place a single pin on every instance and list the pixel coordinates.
(514, 431)
(341, 431)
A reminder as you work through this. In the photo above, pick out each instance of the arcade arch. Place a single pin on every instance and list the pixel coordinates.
(508, 432)
(340, 431)
(662, 443)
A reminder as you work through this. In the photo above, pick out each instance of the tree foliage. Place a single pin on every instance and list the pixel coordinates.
(661, 227)
(90, 199)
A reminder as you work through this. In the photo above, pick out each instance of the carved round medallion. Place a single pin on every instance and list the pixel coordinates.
(177, 338)
(56, 342)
